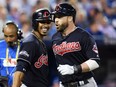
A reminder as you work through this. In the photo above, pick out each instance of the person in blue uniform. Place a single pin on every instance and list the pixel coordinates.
(9, 48)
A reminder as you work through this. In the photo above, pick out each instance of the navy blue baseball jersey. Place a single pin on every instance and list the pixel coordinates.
(34, 59)
(74, 49)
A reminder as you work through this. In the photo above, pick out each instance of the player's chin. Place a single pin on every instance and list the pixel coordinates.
(58, 29)
(10, 44)
(44, 34)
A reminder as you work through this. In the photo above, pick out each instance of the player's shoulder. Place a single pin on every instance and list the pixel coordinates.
(29, 39)
(3, 46)
(2, 43)
(82, 32)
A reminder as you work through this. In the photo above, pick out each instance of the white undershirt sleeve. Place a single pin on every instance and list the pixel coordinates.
(92, 64)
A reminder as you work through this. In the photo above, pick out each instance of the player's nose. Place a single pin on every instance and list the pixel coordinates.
(56, 20)
(8, 39)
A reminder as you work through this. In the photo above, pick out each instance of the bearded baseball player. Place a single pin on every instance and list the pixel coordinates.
(75, 50)
(32, 64)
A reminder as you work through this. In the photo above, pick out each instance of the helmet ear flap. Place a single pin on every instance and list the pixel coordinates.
(34, 22)
(34, 25)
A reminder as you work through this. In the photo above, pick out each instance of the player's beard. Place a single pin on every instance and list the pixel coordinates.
(62, 27)
(11, 44)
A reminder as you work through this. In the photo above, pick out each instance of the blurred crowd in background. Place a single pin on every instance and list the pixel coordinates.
(98, 17)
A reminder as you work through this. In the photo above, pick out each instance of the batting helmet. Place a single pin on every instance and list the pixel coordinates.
(40, 15)
(64, 9)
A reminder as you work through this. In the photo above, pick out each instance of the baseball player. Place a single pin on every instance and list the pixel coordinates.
(75, 50)
(32, 64)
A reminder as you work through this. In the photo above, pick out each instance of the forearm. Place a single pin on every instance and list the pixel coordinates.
(18, 76)
(87, 66)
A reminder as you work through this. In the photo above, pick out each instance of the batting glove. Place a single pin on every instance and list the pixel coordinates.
(66, 69)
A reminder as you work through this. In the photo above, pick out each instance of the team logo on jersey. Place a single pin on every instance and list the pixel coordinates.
(95, 48)
(65, 47)
(42, 60)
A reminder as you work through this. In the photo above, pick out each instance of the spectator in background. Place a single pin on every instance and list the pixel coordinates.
(23, 18)
(14, 13)
(9, 50)
(26, 7)
(92, 12)
(108, 31)
(108, 12)
(86, 4)
(3, 18)
(95, 32)
(26, 29)
(81, 19)
(114, 14)
(42, 4)
(8, 5)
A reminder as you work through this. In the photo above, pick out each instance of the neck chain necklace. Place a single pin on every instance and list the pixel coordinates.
(43, 44)
(37, 37)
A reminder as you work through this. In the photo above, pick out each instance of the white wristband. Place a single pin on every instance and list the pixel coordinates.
(92, 64)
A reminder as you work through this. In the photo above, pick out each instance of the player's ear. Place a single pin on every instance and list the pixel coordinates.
(70, 18)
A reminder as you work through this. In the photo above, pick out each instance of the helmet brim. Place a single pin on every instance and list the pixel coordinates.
(44, 20)
(58, 14)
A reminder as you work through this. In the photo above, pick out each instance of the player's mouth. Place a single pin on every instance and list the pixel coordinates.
(57, 26)
(45, 30)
